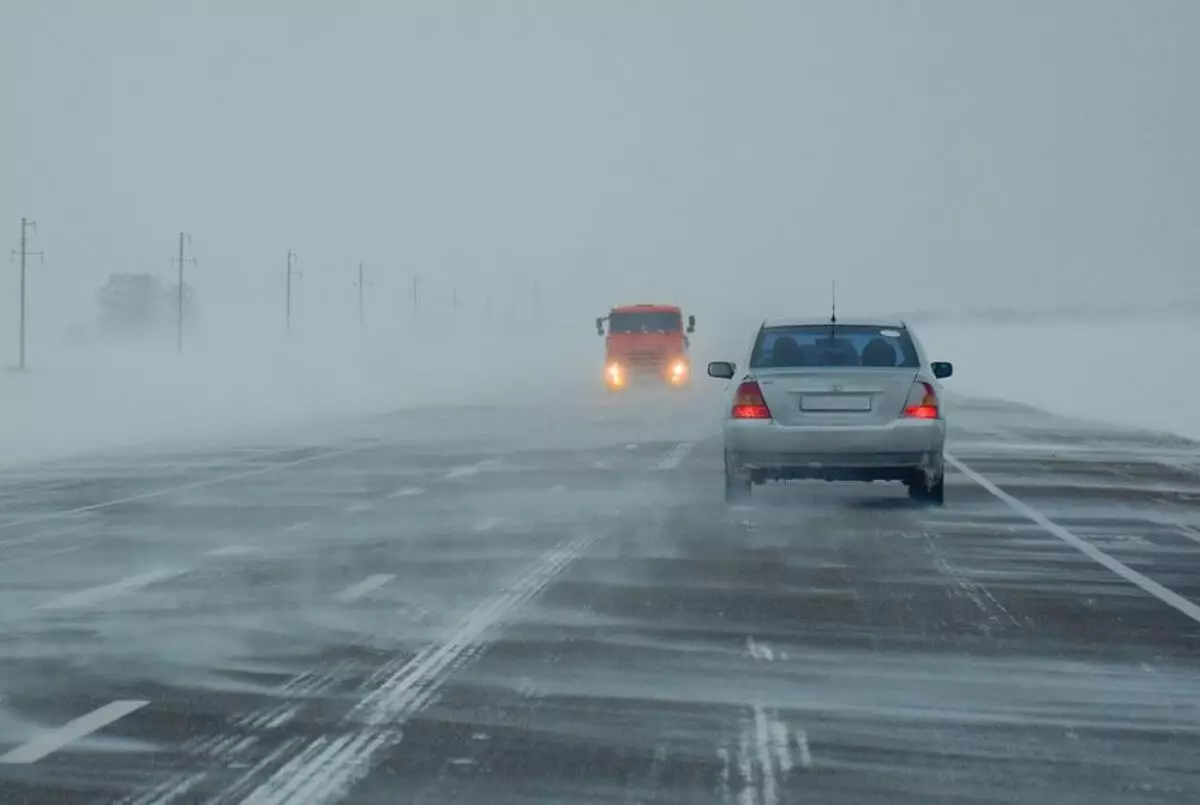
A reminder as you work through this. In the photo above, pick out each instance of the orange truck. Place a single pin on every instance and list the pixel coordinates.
(646, 342)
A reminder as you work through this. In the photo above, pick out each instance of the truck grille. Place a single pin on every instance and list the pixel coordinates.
(646, 359)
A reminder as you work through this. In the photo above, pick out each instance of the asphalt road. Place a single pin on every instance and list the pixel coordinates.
(552, 604)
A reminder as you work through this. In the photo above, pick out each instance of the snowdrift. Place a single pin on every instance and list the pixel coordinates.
(1135, 374)
(81, 399)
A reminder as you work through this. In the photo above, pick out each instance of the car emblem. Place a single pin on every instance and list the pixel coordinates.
(835, 386)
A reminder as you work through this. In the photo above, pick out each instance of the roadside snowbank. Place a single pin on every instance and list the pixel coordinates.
(94, 398)
(1134, 374)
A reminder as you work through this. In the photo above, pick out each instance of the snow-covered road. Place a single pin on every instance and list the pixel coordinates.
(553, 604)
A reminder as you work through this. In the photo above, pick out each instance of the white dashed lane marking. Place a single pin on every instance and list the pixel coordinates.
(470, 469)
(407, 492)
(367, 585)
(53, 740)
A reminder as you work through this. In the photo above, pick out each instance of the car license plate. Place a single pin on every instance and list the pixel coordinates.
(835, 402)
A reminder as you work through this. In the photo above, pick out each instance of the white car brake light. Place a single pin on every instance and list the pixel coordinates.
(748, 402)
(922, 402)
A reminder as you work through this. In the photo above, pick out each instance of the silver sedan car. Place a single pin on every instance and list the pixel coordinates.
(835, 400)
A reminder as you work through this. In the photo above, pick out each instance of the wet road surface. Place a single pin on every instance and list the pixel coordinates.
(554, 604)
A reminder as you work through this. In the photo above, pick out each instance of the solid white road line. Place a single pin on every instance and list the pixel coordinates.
(170, 490)
(95, 595)
(806, 760)
(762, 746)
(407, 492)
(726, 791)
(355, 508)
(357, 591)
(749, 792)
(1168, 597)
(81, 727)
(781, 746)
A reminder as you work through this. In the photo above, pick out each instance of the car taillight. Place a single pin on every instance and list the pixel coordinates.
(922, 402)
(748, 402)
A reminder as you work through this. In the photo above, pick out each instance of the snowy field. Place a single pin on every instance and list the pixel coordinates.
(81, 399)
(1127, 373)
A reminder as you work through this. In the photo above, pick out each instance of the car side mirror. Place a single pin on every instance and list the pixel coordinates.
(691, 328)
(599, 326)
(942, 369)
(722, 370)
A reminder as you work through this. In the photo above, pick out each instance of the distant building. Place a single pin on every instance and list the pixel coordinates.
(141, 306)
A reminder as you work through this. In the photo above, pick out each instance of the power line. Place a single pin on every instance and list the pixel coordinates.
(184, 238)
(26, 225)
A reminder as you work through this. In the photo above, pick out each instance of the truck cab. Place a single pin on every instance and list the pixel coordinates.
(646, 343)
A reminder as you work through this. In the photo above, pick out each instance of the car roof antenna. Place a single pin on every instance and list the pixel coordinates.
(833, 295)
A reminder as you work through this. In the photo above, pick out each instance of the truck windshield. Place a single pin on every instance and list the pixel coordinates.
(652, 322)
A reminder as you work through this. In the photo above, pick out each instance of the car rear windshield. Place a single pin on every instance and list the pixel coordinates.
(650, 322)
(835, 345)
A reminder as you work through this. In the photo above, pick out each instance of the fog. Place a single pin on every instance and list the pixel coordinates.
(533, 163)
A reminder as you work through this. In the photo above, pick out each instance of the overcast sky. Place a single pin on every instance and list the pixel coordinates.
(717, 153)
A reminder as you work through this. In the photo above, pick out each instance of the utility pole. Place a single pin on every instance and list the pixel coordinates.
(454, 301)
(26, 225)
(184, 238)
(415, 278)
(362, 320)
(291, 259)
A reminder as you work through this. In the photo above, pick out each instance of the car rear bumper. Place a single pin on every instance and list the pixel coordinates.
(889, 452)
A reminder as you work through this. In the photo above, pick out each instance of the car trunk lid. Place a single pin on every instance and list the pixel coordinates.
(834, 396)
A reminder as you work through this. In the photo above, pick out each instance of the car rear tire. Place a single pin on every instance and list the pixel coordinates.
(737, 484)
(922, 490)
(937, 493)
